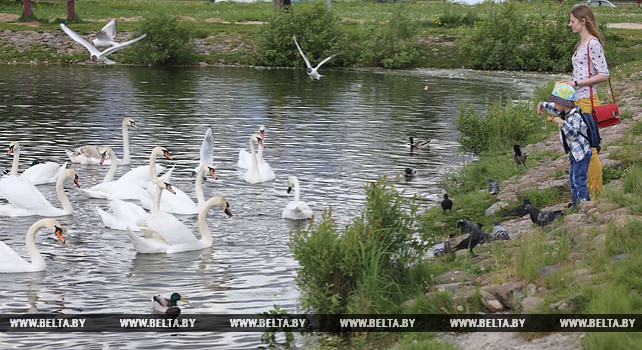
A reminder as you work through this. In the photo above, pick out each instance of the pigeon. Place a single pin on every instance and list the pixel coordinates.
(485, 237)
(441, 248)
(519, 210)
(543, 218)
(499, 231)
(95, 54)
(474, 236)
(207, 154)
(493, 187)
(409, 173)
(519, 157)
(106, 36)
(418, 143)
(312, 71)
(446, 203)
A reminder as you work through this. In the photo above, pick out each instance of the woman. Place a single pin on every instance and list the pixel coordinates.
(583, 23)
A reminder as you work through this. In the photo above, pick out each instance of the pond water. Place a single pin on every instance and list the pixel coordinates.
(334, 134)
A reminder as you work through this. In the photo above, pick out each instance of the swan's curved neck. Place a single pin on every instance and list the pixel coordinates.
(30, 243)
(296, 191)
(152, 168)
(198, 186)
(112, 168)
(16, 161)
(255, 161)
(62, 196)
(206, 236)
(125, 143)
(157, 199)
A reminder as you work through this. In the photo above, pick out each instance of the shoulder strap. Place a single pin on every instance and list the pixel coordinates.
(588, 63)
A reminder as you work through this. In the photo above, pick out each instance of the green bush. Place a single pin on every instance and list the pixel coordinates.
(457, 19)
(362, 268)
(167, 41)
(505, 39)
(390, 45)
(316, 31)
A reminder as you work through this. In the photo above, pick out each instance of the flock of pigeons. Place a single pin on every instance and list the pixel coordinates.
(476, 235)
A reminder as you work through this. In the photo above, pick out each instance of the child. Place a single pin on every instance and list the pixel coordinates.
(572, 135)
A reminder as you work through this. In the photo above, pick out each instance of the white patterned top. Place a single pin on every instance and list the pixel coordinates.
(580, 67)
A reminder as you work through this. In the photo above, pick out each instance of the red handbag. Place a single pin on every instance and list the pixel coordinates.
(604, 115)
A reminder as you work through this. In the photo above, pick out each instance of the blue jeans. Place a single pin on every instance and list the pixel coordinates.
(578, 179)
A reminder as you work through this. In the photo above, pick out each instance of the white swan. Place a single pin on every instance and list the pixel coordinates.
(95, 54)
(206, 153)
(107, 35)
(38, 174)
(11, 262)
(120, 189)
(91, 154)
(296, 209)
(312, 71)
(258, 172)
(172, 242)
(245, 158)
(25, 199)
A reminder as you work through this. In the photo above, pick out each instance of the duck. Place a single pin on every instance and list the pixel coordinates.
(11, 262)
(26, 200)
(91, 154)
(245, 157)
(296, 209)
(38, 173)
(409, 173)
(169, 305)
(417, 144)
(258, 172)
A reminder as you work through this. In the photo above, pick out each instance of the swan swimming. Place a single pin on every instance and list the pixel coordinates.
(92, 154)
(95, 54)
(296, 209)
(25, 199)
(109, 188)
(38, 174)
(312, 71)
(245, 158)
(11, 262)
(258, 172)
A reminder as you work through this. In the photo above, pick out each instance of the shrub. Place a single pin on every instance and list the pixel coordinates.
(316, 31)
(167, 41)
(504, 39)
(456, 19)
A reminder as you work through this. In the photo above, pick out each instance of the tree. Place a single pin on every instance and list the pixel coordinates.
(26, 9)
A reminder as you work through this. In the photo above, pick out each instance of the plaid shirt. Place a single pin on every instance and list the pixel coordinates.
(571, 130)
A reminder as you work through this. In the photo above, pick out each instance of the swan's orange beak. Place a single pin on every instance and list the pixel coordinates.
(58, 233)
(228, 212)
(167, 155)
(76, 180)
(103, 156)
(262, 133)
(213, 174)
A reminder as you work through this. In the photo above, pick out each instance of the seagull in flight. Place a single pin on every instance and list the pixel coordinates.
(96, 55)
(312, 71)
(106, 36)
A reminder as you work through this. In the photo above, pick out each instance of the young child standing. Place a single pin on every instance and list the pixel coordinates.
(573, 135)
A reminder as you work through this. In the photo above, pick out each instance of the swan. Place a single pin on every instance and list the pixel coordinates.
(414, 144)
(91, 154)
(168, 305)
(312, 71)
(26, 200)
(11, 262)
(38, 174)
(245, 158)
(258, 173)
(173, 241)
(206, 154)
(106, 36)
(95, 54)
(296, 209)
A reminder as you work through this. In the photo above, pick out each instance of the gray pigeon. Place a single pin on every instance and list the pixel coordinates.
(543, 218)
(493, 187)
(441, 248)
(475, 236)
(499, 231)
(519, 210)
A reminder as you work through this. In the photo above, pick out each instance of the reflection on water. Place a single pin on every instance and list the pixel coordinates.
(334, 134)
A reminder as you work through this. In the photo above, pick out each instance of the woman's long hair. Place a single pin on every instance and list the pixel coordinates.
(582, 11)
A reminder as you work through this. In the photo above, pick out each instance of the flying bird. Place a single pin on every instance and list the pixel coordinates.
(519, 157)
(493, 187)
(446, 203)
(413, 144)
(543, 218)
(106, 36)
(312, 71)
(519, 210)
(499, 231)
(95, 54)
(207, 153)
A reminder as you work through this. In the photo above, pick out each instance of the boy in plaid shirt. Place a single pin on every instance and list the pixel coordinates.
(573, 133)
